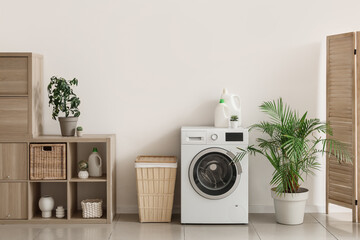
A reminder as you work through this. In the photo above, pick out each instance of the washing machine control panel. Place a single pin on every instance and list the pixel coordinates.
(211, 135)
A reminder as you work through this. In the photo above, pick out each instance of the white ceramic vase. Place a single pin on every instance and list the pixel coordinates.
(234, 124)
(60, 212)
(290, 207)
(83, 174)
(46, 205)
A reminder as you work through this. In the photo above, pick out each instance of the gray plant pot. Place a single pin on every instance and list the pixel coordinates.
(68, 125)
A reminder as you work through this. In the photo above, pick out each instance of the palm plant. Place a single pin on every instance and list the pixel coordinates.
(293, 145)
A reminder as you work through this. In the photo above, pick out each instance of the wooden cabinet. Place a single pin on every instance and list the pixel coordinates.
(14, 116)
(20, 119)
(20, 95)
(14, 75)
(13, 161)
(13, 198)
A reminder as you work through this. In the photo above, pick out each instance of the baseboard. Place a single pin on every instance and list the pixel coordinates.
(252, 209)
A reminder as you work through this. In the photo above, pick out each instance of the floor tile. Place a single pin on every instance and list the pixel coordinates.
(217, 232)
(148, 231)
(343, 230)
(308, 231)
(316, 226)
(75, 232)
(270, 218)
(333, 217)
(19, 232)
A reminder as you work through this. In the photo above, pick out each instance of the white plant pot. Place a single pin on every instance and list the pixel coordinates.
(234, 124)
(46, 205)
(290, 207)
(79, 133)
(83, 174)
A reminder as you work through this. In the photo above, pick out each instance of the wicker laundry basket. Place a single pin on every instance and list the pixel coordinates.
(92, 208)
(47, 161)
(156, 177)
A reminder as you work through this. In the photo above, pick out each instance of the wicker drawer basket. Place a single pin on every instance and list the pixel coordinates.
(156, 177)
(47, 161)
(91, 208)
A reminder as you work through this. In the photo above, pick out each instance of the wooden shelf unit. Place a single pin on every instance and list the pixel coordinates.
(21, 80)
(72, 190)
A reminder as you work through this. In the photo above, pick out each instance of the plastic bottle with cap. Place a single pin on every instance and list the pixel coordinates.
(222, 115)
(233, 102)
(95, 164)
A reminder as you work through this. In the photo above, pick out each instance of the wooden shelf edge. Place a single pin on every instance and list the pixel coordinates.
(77, 217)
(48, 181)
(85, 138)
(90, 179)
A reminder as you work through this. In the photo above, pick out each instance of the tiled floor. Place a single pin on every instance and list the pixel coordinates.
(262, 226)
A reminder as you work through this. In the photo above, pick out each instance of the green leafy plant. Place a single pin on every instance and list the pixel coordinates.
(292, 146)
(234, 118)
(79, 128)
(62, 98)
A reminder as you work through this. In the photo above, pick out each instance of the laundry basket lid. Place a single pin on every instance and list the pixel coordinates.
(155, 161)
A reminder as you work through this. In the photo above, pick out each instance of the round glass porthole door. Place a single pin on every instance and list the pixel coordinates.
(213, 174)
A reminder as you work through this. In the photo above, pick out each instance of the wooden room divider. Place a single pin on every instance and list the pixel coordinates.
(342, 109)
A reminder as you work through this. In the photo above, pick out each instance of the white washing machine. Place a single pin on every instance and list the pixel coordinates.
(214, 190)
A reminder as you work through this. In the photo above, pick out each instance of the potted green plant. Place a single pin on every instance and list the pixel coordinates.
(83, 169)
(79, 131)
(63, 99)
(292, 146)
(234, 123)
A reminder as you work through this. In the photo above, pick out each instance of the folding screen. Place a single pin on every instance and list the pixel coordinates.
(342, 115)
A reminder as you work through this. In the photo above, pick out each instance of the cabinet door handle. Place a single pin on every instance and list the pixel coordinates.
(8, 177)
(8, 215)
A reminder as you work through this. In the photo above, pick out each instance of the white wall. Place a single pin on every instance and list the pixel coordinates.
(148, 67)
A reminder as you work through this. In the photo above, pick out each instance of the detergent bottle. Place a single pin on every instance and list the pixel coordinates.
(222, 115)
(95, 164)
(233, 102)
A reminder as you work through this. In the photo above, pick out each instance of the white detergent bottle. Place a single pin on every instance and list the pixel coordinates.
(233, 102)
(222, 115)
(95, 164)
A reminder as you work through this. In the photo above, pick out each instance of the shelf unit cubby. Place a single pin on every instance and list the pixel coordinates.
(55, 189)
(71, 191)
(86, 190)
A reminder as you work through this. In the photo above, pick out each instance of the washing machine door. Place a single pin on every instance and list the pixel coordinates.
(213, 174)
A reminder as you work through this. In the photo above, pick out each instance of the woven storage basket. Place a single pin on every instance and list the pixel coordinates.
(47, 161)
(156, 177)
(91, 208)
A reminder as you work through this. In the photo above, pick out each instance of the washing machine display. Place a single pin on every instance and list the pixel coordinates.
(213, 174)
